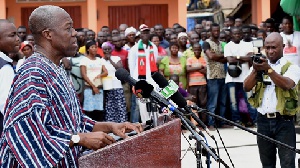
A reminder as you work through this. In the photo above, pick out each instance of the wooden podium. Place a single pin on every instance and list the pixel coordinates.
(157, 147)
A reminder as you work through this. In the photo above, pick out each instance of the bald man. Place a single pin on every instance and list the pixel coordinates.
(122, 28)
(43, 122)
(275, 111)
(9, 43)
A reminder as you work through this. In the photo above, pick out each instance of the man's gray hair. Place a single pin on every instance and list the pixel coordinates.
(44, 17)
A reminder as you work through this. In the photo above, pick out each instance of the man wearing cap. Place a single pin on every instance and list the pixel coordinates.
(142, 63)
(8, 44)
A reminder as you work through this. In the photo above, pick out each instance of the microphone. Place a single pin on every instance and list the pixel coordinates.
(176, 97)
(146, 90)
(124, 75)
(167, 89)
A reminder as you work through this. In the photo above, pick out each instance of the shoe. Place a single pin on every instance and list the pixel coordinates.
(211, 128)
(226, 126)
(249, 124)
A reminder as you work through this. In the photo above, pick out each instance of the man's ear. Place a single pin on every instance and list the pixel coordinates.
(47, 34)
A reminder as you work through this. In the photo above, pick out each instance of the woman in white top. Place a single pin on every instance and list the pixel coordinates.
(92, 70)
(115, 104)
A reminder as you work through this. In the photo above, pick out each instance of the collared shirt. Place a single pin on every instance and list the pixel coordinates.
(133, 61)
(188, 53)
(42, 114)
(269, 101)
(164, 44)
(6, 78)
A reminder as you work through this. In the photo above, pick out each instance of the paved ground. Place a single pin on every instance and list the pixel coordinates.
(241, 147)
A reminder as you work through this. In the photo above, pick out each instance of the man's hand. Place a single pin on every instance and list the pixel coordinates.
(95, 140)
(120, 129)
(264, 66)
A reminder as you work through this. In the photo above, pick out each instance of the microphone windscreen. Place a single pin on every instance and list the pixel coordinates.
(143, 88)
(123, 75)
(160, 80)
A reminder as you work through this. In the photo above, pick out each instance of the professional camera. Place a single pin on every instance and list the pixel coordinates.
(259, 44)
(256, 58)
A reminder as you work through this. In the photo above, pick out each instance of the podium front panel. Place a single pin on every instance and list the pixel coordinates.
(158, 147)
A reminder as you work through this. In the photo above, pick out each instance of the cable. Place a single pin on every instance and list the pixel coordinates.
(221, 139)
(190, 146)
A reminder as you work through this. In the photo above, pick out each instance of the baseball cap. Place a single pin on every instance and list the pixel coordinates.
(25, 43)
(144, 27)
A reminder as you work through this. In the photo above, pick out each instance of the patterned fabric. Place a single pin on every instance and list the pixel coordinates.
(115, 106)
(168, 71)
(42, 114)
(196, 77)
(142, 60)
(215, 70)
(92, 102)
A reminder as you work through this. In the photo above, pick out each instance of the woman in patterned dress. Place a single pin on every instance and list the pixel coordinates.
(174, 65)
(115, 104)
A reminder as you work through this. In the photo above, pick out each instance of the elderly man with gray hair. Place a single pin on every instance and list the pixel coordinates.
(43, 122)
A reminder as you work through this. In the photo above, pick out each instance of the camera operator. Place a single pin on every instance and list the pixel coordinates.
(276, 103)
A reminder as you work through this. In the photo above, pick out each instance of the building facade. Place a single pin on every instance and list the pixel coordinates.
(94, 14)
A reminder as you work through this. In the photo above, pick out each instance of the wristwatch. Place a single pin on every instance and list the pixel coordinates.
(75, 139)
(237, 57)
(270, 70)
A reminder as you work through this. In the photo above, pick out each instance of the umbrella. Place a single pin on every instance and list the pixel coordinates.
(291, 7)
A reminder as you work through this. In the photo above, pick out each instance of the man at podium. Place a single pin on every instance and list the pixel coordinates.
(43, 123)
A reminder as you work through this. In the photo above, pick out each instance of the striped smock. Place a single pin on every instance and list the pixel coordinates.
(42, 113)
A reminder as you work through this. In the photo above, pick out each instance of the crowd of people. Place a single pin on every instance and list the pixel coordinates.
(207, 73)
(210, 63)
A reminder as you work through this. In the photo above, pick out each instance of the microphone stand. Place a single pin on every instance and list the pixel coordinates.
(152, 110)
(200, 142)
(195, 107)
(191, 127)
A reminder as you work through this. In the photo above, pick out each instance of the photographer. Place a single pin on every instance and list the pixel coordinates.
(276, 103)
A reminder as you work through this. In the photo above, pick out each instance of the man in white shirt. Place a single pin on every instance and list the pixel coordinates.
(141, 67)
(9, 43)
(275, 113)
(238, 53)
(291, 41)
